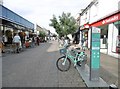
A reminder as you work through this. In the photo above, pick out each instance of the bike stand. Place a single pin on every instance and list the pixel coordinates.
(85, 74)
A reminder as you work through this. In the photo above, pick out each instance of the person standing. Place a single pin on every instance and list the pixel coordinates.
(33, 41)
(17, 41)
(1, 45)
(4, 39)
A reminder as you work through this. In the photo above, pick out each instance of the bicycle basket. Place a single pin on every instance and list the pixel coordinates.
(63, 51)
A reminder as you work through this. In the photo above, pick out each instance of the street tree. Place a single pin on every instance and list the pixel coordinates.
(42, 34)
(64, 25)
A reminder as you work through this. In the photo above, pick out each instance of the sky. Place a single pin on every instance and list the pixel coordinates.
(41, 11)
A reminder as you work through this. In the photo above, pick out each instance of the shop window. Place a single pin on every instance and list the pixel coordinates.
(118, 40)
(117, 24)
(118, 44)
(116, 37)
(104, 32)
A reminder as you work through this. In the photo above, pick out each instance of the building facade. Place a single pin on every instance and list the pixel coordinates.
(40, 29)
(106, 17)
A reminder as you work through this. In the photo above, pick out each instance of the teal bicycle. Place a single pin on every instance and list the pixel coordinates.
(70, 55)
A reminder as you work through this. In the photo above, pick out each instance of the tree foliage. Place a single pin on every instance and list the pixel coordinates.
(42, 34)
(64, 25)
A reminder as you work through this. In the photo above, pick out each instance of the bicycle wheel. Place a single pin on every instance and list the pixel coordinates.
(63, 66)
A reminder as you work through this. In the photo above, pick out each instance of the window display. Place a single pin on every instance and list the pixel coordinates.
(118, 44)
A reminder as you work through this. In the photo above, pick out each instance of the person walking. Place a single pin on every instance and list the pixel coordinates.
(17, 41)
(38, 40)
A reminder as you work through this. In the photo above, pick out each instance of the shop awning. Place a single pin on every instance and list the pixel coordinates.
(10, 16)
(84, 27)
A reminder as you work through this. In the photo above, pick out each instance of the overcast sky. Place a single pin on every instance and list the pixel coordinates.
(41, 11)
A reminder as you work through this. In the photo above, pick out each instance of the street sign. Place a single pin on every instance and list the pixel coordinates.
(95, 54)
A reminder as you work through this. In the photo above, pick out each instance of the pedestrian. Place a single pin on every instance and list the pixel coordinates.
(38, 40)
(33, 41)
(17, 41)
(4, 39)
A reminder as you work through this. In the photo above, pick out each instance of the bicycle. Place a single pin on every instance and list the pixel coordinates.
(70, 55)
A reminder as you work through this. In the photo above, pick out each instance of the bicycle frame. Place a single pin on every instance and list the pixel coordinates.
(73, 57)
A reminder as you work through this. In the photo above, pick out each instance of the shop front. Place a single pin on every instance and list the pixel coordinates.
(9, 30)
(84, 35)
(12, 23)
(110, 33)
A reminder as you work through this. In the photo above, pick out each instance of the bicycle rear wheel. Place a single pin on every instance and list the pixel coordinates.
(63, 66)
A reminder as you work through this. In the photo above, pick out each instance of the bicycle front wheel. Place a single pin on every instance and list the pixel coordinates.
(63, 65)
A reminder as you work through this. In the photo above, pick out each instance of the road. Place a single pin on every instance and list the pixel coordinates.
(36, 67)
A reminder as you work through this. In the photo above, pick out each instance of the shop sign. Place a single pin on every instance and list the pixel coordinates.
(112, 19)
(108, 20)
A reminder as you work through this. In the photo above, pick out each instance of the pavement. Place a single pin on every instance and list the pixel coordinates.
(36, 67)
(108, 68)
